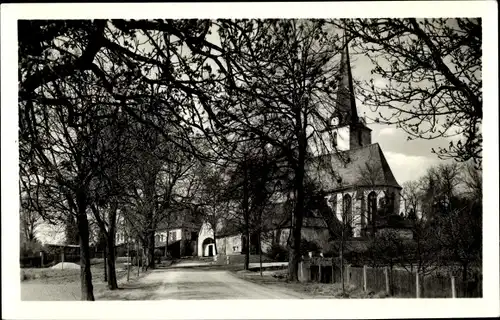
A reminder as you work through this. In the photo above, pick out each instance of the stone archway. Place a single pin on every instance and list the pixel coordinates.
(208, 247)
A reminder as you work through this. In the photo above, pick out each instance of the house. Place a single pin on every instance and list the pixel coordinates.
(179, 234)
(181, 238)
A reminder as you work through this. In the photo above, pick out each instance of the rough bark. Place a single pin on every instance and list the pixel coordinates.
(85, 272)
(260, 253)
(247, 251)
(111, 263)
(295, 235)
(166, 243)
(111, 252)
(151, 249)
(104, 254)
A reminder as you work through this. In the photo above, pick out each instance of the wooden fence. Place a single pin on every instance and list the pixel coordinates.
(397, 283)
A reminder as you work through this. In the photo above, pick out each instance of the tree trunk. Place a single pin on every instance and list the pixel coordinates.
(296, 234)
(464, 278)
(112, 283)
(215, 242)
(151, 249)
(144, 258)
(129, 260)
(111, 259)
(104, 253)
(138, 257)
(260, 253)
(342, 276)
(295, 239)
(166, 243)
(246, 214)
(85, 272)
(247, 252)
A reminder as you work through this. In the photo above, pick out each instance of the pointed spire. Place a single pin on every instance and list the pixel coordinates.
(346, 103)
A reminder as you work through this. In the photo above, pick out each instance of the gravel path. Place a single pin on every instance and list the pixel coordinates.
(193, 284)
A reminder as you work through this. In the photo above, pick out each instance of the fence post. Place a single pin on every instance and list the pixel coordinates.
(333, 274)
(364, 279)
(453, 292)
(417, 285)
(387, 285)
(309, 273)
(302, 270)
(319, 272)
(348, 273)
(62, 260)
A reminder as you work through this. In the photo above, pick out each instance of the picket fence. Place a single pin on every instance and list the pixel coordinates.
(397, 283)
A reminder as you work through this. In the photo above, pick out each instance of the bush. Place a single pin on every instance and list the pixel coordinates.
(308, 246)
(31, 249)
(278, 252)
(158, 255)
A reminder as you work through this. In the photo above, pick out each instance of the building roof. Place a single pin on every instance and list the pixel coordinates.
(346, 102)
(361, 167)
(183, 219)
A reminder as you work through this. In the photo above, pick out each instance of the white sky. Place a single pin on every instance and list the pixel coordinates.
(409, 160)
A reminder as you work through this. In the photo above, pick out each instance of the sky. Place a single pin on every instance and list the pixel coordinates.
(409, 160)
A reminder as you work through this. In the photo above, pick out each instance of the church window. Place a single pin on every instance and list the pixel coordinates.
(335, 139)
(157, 238)
(333, 204)
(372, 206)
(382, 205)
(347, 207)
(347, 211)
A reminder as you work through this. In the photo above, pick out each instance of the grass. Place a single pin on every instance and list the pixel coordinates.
(49, 275)
(277, 279)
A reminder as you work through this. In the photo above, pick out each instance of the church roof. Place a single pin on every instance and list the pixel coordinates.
(361, 167)
(346, 102)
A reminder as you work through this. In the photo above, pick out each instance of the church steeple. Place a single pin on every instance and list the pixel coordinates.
(347, 130)
(346, 102)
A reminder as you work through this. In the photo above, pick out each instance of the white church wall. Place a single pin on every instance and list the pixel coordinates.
(205, 232)
(229, 245)
(360, 205)
(326, 144)
(343, 136)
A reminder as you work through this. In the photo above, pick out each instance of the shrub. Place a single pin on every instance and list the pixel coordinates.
(278, 252)
(308, 246)
(31, 249)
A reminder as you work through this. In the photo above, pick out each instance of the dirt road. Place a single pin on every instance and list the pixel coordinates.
(193, 284)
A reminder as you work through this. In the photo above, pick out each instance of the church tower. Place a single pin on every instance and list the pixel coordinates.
(347, 130)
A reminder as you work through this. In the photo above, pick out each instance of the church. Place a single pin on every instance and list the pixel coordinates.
(351, 170)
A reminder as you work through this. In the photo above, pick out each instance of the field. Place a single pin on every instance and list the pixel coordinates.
(46, 284)
(277, 280)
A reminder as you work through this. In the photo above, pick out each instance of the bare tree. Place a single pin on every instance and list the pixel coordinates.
(274, 78)
(431, 70)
